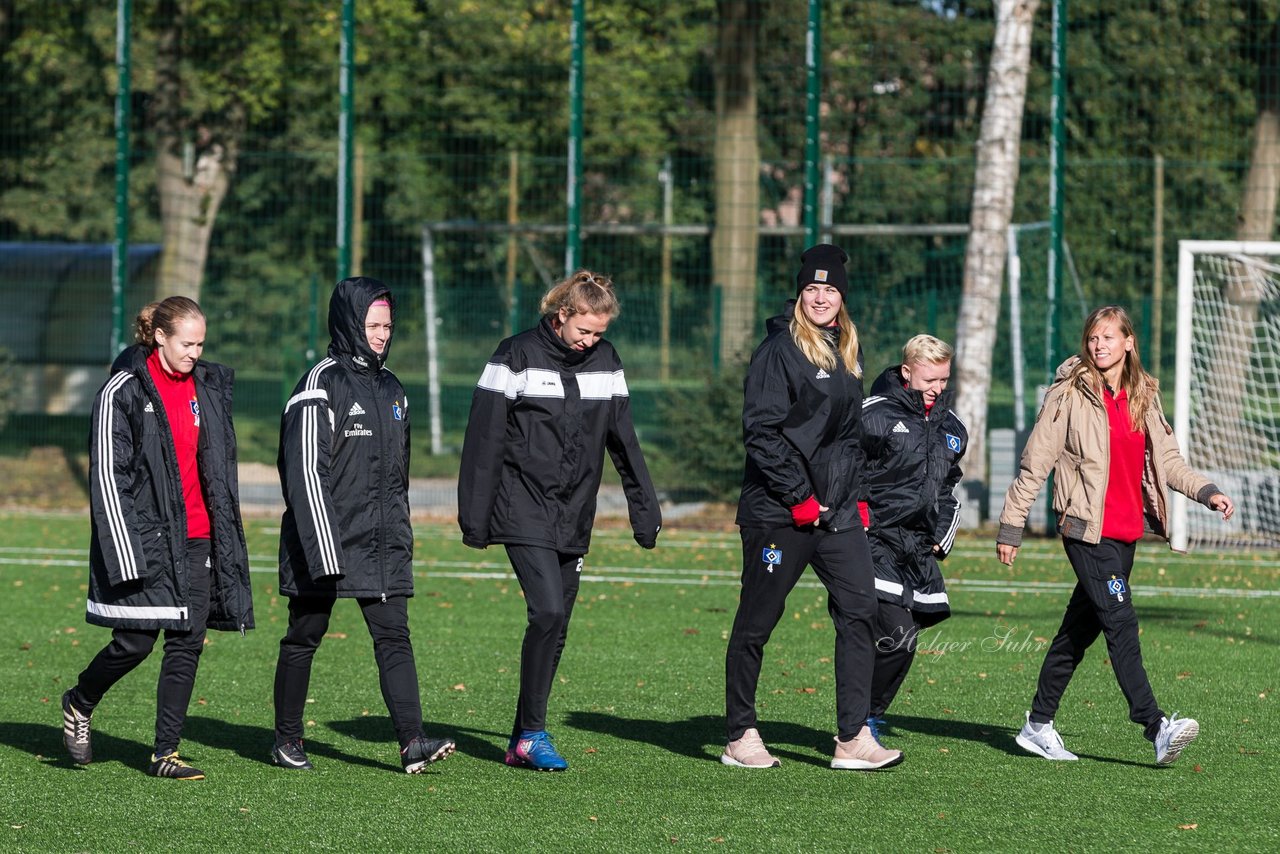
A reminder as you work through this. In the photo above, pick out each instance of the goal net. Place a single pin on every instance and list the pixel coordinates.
(1227, 390)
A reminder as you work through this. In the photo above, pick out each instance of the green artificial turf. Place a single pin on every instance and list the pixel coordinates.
(638, 712)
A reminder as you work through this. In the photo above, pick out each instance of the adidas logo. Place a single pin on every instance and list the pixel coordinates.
(822, 375)
(356, 409)
(148, 407)
(900, 428)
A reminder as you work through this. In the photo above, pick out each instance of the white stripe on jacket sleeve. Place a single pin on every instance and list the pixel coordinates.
(311, 426)
(107, 486)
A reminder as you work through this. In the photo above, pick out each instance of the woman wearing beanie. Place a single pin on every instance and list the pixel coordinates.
(549, 404)
(167, 549)
(800, 419)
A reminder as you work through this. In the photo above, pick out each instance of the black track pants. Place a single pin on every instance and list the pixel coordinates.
(1100, 604)
(549, 580)
(897, 633)
(773, 561)
(130, 647)
(388, 624)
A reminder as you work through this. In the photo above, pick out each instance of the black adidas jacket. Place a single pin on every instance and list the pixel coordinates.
(542, 417)
(344, 465)
(912, 469)
(800, 429)
(139, 517)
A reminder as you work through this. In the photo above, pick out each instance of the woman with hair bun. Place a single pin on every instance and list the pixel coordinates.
(549, 404)
(167, 549)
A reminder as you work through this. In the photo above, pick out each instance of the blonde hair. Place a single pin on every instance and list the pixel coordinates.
(813, 344)
(926, 350)
(584, 292)
(1139, 386)
(163, 315)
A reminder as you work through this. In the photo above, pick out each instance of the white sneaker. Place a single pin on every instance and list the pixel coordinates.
(1043, 740)
(749, 752)
(1175, 734)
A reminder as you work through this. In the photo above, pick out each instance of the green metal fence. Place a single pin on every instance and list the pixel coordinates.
(459, 135)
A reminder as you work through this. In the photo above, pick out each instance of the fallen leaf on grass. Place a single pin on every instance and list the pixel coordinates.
(806, 690)
(460, 687)
(590, 750)
(1197, 769)
(1187, 826)
(692, 632)
(336, 635)
(1186, 674)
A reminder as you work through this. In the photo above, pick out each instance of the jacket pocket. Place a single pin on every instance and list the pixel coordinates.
(157, 551)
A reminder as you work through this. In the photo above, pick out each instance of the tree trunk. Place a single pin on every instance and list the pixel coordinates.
(188, 209)
(1243, 289)
(995, 180)
(737, 175)
(190, 192)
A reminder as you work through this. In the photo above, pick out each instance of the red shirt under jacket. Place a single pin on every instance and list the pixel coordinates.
(1122, 506)
(178, 393)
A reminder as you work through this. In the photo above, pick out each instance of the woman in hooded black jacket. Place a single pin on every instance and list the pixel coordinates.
(167, 550)
(345, 533)
(912, 442)
(549, 404)
(801, 409)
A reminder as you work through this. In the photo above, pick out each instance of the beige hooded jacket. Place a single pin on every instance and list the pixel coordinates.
(1071, 437)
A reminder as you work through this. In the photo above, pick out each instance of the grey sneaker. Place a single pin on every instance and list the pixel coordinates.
(749, 752)
(1043, 740)
(1175, 734)
(75, 732)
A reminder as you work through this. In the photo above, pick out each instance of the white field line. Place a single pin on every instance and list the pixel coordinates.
(687, 576)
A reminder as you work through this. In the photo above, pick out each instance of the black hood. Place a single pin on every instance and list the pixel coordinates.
(891, 385)
(131, 359)
(779, 322)
(348, 308)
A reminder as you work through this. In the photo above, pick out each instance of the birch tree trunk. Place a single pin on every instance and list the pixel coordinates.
(191, 186)
(737, 176)
(995, 180)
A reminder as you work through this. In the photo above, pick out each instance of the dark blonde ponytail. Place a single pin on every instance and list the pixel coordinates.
(165, 316)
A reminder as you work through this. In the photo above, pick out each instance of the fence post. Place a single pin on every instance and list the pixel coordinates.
(346, 132)
(120, 249)
(813, 99)
(573, 237)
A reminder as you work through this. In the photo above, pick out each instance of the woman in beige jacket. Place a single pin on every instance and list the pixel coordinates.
(1102, 433)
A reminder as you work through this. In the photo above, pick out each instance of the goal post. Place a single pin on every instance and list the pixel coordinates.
(1227, 389)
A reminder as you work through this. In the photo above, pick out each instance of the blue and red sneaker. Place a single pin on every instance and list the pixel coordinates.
(534, 750)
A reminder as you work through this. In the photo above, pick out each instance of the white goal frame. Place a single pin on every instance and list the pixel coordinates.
(1187, 250)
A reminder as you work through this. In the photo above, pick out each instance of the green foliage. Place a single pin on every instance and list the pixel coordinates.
(701, 445)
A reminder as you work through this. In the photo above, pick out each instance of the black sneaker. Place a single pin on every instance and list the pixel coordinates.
(170, 765)
(422, 751)
(75, 732)
(291, 755)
